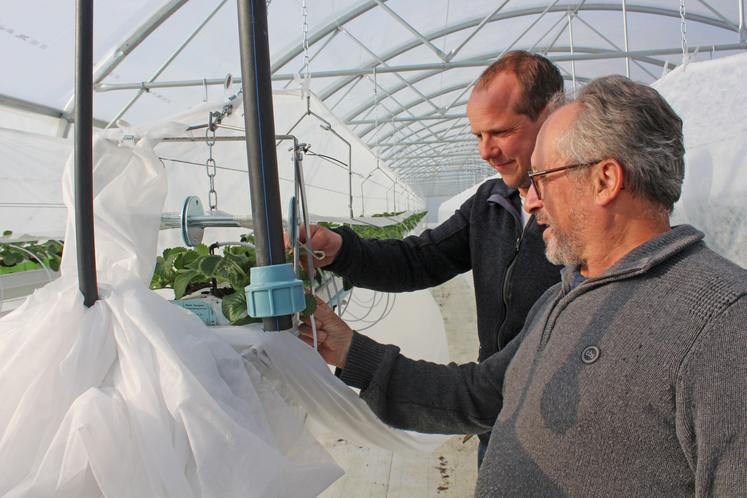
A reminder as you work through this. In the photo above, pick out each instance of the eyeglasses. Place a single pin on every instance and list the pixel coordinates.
(535, 184)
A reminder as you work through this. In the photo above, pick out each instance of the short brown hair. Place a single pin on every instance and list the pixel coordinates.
(540, 80)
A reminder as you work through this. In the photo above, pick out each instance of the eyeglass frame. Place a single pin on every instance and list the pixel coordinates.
(532, 174)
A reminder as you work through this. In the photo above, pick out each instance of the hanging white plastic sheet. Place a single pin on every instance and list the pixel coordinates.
(135, 397)
(709, 96)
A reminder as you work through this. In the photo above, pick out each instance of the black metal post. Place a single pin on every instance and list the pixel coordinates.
(84, 151)
(259, 123)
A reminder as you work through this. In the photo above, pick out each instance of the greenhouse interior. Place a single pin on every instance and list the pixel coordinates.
(182, 151)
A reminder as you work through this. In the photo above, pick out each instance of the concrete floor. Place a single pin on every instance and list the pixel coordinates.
(449, 471)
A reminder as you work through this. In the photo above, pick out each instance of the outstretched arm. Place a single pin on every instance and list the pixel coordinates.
(392, 265)
(409, 394)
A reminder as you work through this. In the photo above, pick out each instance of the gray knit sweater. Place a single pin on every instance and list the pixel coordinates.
(633, 384)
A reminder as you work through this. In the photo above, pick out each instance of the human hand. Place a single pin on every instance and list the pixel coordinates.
(333, 334)
(323, 240)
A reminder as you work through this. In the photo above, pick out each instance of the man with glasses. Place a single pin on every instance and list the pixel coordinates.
(488, 234)
(629, 376)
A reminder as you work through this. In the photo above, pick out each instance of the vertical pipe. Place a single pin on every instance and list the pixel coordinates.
(350, 180)
(625, 36)
(260, 140)
(742, 30)
(573, 62)
(84, 151)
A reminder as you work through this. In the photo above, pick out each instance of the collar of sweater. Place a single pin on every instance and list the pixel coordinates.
(644, 257)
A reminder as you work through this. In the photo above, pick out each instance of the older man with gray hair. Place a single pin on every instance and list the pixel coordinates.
(629, 377)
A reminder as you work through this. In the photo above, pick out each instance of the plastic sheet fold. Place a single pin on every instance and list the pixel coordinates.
(136, 397)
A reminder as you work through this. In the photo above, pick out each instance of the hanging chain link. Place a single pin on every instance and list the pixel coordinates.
(306, 60)
(211, 169)
(683, 30)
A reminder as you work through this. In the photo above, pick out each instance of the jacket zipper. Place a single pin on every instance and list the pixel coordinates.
(507, 277)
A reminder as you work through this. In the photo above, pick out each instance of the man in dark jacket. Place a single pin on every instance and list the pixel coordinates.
(629, 378)
(488, 234)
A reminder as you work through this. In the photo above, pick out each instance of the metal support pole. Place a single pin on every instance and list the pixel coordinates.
(742, 29)
(84, 238)
(573, 62)
(328, 127)
(625, 36)
(259, 124)
(166, 64)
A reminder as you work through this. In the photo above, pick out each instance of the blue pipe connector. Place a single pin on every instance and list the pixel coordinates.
(274, 291)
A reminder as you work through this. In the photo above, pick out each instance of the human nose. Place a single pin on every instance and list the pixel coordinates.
(532, 202)
(487, 148)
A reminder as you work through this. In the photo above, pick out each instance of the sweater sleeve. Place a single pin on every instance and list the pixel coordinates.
(424, 396)
(416, 262)
(712, 405)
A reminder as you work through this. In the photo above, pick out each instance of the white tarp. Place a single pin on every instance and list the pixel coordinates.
(30, 183)
(136, 397)
(710, 98)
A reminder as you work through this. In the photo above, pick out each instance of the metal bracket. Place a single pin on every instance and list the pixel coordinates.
(191, 233)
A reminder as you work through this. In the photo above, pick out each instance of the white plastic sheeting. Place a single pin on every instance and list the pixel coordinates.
(30, 183)
(32, 164)
(135, 396)
(385, 68)
(411, 320)
(447, 208)
(710, 98)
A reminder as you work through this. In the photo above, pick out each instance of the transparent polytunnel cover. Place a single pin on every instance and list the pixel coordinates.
(392, 78)
(397, 73)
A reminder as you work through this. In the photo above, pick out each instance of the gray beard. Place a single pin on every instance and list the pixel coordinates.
(566, 248)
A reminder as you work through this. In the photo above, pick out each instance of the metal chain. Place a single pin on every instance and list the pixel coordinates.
(211, 169)
(306, 60)
(683, 30)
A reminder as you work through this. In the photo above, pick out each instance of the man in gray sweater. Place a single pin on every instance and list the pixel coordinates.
(629, 377)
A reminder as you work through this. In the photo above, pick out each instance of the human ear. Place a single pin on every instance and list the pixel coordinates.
(609, 180)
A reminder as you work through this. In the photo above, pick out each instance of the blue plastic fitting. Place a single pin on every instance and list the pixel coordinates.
(274, 291)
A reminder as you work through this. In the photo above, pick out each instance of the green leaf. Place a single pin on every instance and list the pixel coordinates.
(12, 257)
(182, 280)
(54, 263)
(202, 250)
(234, 309)
(207, 265)
(188, 258)
(310, 305)
(225, 269)
(7, 233)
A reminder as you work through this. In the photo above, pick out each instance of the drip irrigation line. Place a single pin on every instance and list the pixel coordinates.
(375, 300)
(37, 258)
